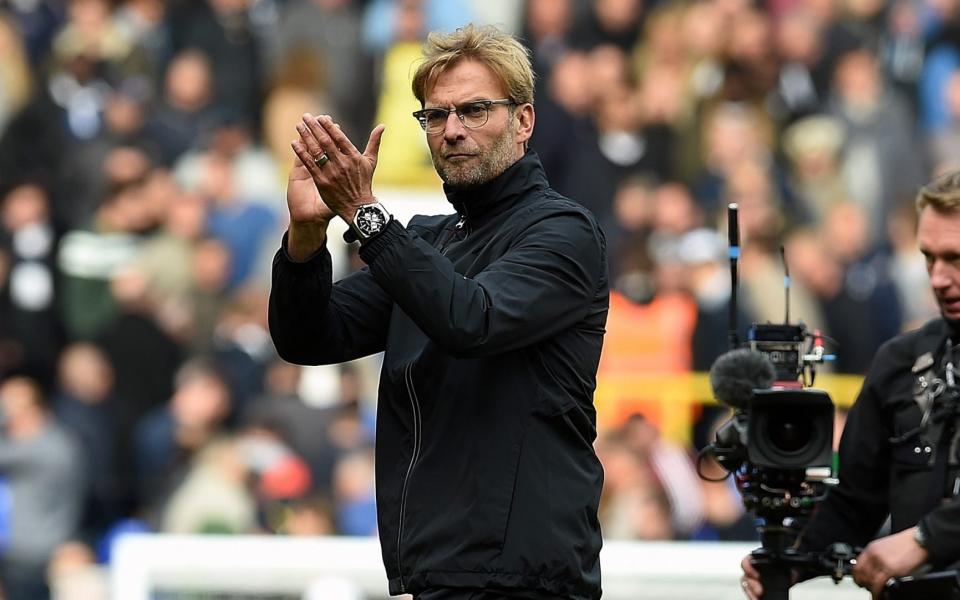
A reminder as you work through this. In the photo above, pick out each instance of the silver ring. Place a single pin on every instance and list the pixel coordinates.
(743, 584)
(321, 160)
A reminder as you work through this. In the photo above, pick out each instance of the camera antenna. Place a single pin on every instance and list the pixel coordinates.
(733, 237)
(786, 283)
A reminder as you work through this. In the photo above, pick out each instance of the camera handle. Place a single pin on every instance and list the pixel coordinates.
(772, 563)
(776, 559)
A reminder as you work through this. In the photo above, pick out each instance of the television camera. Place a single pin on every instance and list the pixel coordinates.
(778, 445)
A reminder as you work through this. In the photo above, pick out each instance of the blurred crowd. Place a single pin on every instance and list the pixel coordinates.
(144, 146)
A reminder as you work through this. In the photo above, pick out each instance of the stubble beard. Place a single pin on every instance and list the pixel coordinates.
(492, 163)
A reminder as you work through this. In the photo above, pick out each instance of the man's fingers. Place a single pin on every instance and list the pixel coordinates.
(373, 144)
(877, 588)
(322, 138)
(750, 582)
(336, 134)
(306, 158)
(859, 576)
(747, 565)
(308, 139)
(868, 573)
(752, 588)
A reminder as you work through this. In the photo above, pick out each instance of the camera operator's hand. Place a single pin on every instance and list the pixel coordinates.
(750, 582)
(892, 556)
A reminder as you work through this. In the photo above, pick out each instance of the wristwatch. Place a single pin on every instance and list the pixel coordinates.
(369, 220)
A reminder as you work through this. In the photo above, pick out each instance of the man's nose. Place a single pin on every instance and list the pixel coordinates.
(454, 129)
(941, 274)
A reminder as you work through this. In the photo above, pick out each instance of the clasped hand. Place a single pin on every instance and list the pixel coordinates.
(318, 190)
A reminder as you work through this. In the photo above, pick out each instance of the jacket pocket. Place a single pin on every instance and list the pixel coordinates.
(459, 501)
(911, 447)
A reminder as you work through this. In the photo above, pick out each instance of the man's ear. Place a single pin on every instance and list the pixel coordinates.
(525, 117)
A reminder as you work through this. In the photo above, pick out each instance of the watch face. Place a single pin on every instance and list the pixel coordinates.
(370, 219)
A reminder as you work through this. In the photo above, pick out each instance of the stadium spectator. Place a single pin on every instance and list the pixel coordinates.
(185, 111)
(234, 219)
(167, 438)
(28, 291)
(85, 404)
(863, 311)
(212, 494)
(878, 160)
(41, 468)
(322, 40)
(227, 33)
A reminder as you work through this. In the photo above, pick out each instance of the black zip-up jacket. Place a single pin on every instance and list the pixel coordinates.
(882, 474)
(492, 321)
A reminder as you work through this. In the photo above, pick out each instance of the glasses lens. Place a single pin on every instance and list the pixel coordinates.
(435, 119)
(474, 115)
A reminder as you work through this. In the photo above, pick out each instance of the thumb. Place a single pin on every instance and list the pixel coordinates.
(373, 144)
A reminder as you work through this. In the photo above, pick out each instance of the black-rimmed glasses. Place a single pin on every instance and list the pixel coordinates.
(471, 114)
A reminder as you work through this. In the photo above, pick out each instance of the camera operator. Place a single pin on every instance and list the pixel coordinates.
(899, 448)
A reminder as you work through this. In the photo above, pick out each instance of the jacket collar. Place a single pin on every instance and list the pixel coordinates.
(481, 202)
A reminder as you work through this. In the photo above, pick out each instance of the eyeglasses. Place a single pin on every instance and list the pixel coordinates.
(472, 114)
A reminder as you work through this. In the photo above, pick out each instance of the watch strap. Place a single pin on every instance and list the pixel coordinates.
(350, 236)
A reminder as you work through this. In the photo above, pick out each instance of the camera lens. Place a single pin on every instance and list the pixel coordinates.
(788, 434)
(790, 429)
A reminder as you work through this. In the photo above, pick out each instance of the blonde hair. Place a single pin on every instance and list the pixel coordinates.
(942, 194)
(499, 51)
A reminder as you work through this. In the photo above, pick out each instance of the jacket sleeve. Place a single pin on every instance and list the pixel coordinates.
(942, 527)
(854, 510)
(544, 283)
(314, 321)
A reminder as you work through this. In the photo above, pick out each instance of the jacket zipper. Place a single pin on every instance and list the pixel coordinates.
(449, 238)
(417, 437)
(417, 423)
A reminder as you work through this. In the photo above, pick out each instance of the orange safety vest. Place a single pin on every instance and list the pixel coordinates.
(643, 342)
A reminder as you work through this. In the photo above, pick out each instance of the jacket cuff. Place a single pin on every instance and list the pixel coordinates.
(942, 541)
(374, 247)
(310, 263)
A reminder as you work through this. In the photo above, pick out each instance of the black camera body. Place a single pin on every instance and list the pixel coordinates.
(780, 430)
(785, 429)
(778, 445)
(788, 460)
